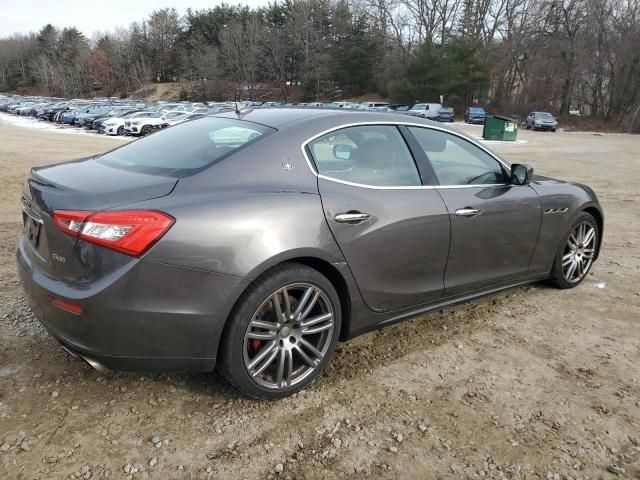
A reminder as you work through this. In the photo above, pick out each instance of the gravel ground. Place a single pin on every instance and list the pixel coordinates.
(532, 383)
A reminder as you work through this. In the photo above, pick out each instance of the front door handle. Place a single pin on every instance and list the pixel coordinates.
(352, 217)
(468, 212)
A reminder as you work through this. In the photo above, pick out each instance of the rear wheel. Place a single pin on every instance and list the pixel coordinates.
(282, 332)
(576, 253)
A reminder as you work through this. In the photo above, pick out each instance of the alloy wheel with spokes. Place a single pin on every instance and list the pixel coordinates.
(579, 252)
(282, 332)
(288, 335)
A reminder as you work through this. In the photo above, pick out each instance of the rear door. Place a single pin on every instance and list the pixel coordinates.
(494, 224)
(393, 232)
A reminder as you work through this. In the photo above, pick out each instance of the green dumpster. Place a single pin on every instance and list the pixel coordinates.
(497, 127)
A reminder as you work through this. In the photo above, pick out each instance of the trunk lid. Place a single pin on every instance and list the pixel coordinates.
(79, 185)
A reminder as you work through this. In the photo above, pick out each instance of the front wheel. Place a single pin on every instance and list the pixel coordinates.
(576, 253)
(120, 130)
(282, 332)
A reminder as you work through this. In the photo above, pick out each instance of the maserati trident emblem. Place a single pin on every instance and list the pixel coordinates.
(287, 164)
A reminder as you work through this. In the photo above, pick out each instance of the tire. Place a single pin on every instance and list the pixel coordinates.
(559, 277)
(120, 130)
(239, 353)
(145, 130)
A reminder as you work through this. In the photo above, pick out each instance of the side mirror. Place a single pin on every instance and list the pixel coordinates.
(343, 152)
(521, 174)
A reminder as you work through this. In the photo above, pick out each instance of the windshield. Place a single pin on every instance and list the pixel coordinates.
(186, 148)
(544, 115)
(476, 110)
(419, 106)
(446, 110)
(129, 114)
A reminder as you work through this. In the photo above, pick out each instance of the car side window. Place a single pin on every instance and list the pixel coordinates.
(374, 155)
(456, 161)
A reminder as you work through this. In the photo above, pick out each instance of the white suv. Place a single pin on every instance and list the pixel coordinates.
(115, 124)
(144, 124)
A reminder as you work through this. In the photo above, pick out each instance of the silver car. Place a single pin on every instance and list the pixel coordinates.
(254, 242)
(541, 121)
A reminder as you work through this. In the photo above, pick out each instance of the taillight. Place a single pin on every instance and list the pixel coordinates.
(70, 221)
(131, 232)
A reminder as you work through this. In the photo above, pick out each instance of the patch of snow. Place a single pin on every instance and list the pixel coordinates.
(35, 124)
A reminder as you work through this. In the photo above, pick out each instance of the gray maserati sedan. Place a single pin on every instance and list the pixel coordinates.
(252, 242)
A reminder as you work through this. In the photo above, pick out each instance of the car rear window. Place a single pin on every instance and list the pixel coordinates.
(187, 148)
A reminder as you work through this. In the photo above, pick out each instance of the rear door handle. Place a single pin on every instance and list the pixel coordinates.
(468, 212)
(352, 217)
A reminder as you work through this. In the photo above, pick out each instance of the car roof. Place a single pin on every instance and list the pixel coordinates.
(279, 117)
(314, 119)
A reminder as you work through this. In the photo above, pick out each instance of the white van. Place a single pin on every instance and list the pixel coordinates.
(425, 110)
(376, 106)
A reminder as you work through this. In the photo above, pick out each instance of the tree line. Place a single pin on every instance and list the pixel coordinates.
(510, 55)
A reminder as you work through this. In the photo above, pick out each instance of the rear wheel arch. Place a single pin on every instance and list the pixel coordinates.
(322, 266)
(338, 282)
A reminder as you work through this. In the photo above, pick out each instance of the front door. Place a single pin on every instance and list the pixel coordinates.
(393, 232)
(494, 225)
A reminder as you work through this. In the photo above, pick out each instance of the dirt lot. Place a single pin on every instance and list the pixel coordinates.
(530, 383)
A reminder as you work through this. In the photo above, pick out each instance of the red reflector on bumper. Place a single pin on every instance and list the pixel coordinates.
(67, 307)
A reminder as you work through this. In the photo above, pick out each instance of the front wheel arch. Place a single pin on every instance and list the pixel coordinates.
(597, 215)
(556, 277)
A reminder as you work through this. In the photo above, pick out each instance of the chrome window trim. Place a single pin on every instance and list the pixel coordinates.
(304, 145)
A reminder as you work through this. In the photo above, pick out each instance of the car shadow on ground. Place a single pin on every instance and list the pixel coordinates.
(353, 360)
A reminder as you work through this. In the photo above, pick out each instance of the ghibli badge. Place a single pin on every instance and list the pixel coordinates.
(58, 258)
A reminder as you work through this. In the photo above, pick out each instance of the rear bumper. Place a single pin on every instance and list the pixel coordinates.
(148, 317)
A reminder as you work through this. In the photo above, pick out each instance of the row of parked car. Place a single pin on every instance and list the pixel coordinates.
(110, 116)
(432, 111)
